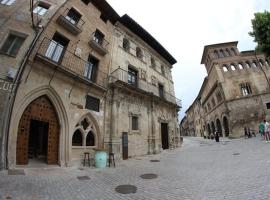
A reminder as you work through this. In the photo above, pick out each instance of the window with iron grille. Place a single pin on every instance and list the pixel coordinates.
(7, 2)
(245, 89)
(73, 16)
(92, 103)
(12, 45)
(135, 123)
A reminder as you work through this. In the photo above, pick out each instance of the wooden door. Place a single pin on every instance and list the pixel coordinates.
(40, 109)
(125, 145)
(164, 136)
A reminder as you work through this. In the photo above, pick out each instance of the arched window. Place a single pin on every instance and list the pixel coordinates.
(216, 54)
(225, 68)
(248, 64)
(126, 44)
(77, 139)
(254, 64)
(139, 52)
(266, 62)
(260, 62)
(234, 52)
(90, 139)
(228, 52)
(240, 66)
(233, 67)
(222, 54)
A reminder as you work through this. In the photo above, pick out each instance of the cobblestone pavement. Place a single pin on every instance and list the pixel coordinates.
(201, 169)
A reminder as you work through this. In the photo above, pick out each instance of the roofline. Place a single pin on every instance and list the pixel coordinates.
(207, 47)
(134, 27)
(107, 10)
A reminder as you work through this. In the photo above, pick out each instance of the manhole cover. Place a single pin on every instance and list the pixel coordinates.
(16, 172)
(148, 176)
(126, 189)
(236, 154)
(83, 178)
(154, 160)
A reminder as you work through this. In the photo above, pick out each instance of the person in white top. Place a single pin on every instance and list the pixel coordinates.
(267, 131)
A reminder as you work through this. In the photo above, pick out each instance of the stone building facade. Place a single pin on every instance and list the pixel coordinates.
(74, 95)
(18, 31)
(235, 94)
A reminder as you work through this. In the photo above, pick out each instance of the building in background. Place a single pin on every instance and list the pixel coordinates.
(235, 94)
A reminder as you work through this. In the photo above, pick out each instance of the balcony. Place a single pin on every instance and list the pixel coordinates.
(71, 21)
(55, 55)
(120, 75)
(99, 44)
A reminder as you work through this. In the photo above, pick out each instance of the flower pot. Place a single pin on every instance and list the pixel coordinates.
(101, 159)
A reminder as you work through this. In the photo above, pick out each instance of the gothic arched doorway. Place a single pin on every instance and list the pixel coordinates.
(38, 133)
(219, 128)
(226, 126)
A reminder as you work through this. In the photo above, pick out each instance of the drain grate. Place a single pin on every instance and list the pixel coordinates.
(83, 178)
(16, 172)
(126, 189)
(154, 160)
(148, 176)
(236, 154)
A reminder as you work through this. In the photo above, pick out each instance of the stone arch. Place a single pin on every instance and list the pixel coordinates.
(22, 104)
(219, 127)
(226, 126)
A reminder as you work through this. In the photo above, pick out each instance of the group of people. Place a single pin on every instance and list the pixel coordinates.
(264, 130)
(249, 133)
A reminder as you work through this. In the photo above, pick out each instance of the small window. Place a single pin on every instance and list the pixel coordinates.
(132, 77)
(240, 66)
(92, 103)
(41, 8)
(126, 44)
(86, 2)
(213, 102)
(222, 54)
(77, 139)
(103, 18)
(139, 53)
(268, 105)
(73, 16)
(209, 106)
(225, 68)
(254, 64)
(232, 67)
(261, 63)
(98, 37)
(153, 62)
(266, 62)
(12, 45)
(228, 52)
(90, 139)
(248, 64)
(219, 96)
(135, 123)
(7, 2)
(162, 70)
(161, 90)
(245, 89)
(216, 54)
(234, 52)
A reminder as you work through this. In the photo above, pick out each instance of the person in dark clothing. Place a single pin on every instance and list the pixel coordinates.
(246, 132)
(217, 136)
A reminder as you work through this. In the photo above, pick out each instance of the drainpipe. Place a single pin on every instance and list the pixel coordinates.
(111, 120)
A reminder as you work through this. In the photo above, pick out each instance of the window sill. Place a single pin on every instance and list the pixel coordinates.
(6, 54)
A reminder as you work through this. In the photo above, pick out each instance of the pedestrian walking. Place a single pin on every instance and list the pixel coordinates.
(266, 132)
(261, 129)
(246, 132)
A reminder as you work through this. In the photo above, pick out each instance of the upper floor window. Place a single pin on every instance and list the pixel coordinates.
(245, 89)
(103, 18)
(98, 37)
(126, 44)
(12, 44)
(153, 62)
(92, 103)
(219, 96)
(213, 102)
(162, 70)
(240, 66)
(248, 64)
(135, 123)
(132, 77)
(41, 8)
(73, 16)
(228, 52)
(91, 68)
(233, 67)
(216, 54)
(139, 53)
(7, 2)
(161, 90)
(222, 54)
(234, 52)
(254, 64)
(225, 68)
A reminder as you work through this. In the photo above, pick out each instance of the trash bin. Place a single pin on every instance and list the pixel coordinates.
(101, 158)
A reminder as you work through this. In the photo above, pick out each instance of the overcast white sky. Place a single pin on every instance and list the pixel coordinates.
(185, 27)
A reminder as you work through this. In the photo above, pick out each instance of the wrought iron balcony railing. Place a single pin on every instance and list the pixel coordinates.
(71, 20)
(123, 75)
(57, 55)
(99, 43)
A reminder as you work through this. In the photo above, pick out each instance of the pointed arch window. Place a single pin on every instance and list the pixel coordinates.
(216, 54)
(77, 139)
(233, 67)
(240, 66)
(225, 68)
(254, 64)
(228, 52)
(248, 64)
(90, 139)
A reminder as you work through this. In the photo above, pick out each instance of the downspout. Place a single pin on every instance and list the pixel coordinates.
(17, 82)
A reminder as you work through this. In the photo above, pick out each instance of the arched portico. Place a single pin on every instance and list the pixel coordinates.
(219, 127)
(226, 126)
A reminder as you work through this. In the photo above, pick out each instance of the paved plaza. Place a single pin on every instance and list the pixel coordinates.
(201, 169)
